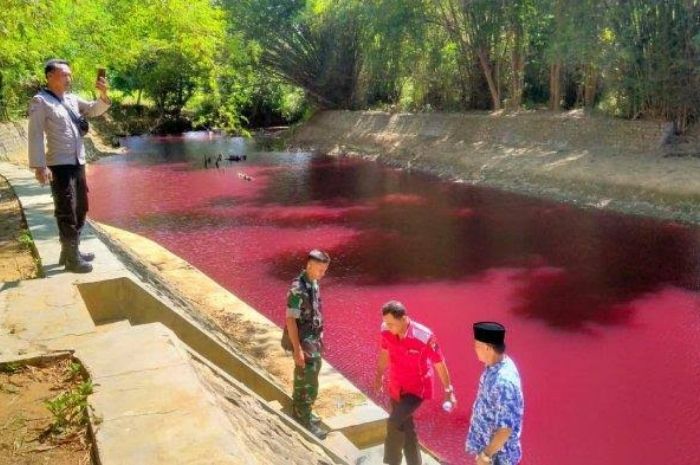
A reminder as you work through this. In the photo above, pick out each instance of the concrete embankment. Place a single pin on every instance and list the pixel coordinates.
(592, 161)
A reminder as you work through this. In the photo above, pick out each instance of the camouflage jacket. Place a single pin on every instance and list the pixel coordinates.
(304, 304)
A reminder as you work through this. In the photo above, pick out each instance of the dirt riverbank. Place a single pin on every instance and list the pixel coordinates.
(17, 260)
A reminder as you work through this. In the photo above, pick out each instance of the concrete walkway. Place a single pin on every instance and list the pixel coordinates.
(37, 204)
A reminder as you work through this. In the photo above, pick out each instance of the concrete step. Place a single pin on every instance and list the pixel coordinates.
(364, 425)
(277, 438)
(119, 325)
(340, 445)
(375, 455)
(40, 310)
(149, 405)
(275, 405)
(335, 441)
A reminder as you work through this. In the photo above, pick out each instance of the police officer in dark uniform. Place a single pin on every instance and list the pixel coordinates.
(56, 152)
(305, 331)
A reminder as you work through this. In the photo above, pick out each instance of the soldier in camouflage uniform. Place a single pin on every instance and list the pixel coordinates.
(305, 328)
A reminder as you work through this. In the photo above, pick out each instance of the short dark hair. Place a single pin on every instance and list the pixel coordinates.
(395, 308)
(53, 64)
(319, 256)
(499, 348)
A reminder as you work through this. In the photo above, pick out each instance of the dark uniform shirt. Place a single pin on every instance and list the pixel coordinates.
(304, 304)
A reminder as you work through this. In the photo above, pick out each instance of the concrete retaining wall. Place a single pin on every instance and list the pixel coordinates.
(13, 144)
(573, 157)
(474, 132)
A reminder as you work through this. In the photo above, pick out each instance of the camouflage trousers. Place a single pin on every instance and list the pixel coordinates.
(305, 389)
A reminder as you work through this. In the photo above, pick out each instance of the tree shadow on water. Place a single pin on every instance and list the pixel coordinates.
(576, 267)
(632, 258)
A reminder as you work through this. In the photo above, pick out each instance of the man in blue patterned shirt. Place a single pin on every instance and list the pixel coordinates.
(497, 414)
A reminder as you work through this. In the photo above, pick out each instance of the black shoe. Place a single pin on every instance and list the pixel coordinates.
(314, 429)
(73, 260)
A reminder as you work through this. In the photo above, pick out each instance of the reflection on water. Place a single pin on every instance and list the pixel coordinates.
(591, 299)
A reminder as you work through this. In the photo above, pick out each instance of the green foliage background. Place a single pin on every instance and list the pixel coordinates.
(233, 64)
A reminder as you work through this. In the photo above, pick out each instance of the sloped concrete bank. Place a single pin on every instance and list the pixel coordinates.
(592, 161)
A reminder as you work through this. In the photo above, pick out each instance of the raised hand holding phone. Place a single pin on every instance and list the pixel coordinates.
(101, 84)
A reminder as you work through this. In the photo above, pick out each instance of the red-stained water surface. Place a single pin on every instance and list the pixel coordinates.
(602, 309)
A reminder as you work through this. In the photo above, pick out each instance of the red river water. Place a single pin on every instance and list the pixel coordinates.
(602, 309)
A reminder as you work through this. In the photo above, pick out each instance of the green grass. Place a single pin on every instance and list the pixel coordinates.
(75, 371)
(70, 409)
(25, 238)
(10, 368)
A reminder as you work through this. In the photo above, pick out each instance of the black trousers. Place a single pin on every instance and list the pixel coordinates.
(401, 438)
(70, 199)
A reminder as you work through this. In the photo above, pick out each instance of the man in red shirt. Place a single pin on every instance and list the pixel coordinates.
(411, 351)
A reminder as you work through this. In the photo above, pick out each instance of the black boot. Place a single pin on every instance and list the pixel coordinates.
(87, 256)
(316, 430)
(312, 427)
(73, 261)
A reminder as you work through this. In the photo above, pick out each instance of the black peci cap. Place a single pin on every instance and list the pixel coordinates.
(490, 332)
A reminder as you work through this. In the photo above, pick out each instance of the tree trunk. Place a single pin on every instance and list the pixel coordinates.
(463, 66)
(555, 86)
(497, 80)
(555, 67)
(517, 71)
(488, 72)
(590, 86)
(516, 85)
(681, 120)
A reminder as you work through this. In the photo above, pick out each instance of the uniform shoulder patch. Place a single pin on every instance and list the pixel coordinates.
(36, 103)
(422, 333)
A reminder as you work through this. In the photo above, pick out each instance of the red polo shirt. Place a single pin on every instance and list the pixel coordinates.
(410, 357)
